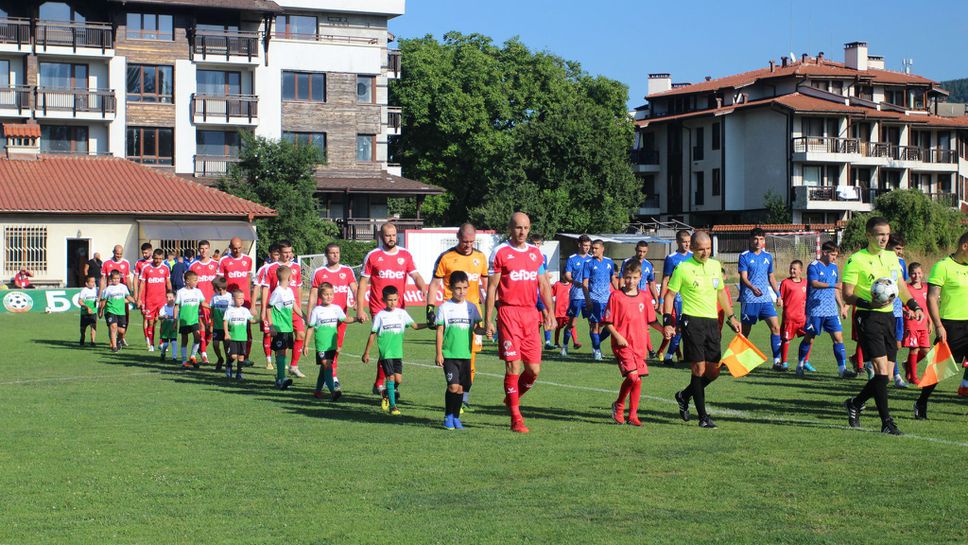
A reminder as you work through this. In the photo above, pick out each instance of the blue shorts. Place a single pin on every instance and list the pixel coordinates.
(754, 312)
(576, 307)
(899, 328)
(823, 324)
(597, 313)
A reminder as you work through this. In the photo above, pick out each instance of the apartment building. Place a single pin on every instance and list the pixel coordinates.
(174, 83)
(827, 137)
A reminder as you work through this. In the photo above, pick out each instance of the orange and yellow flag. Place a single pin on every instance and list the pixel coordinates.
(742, 356)
(941, 365)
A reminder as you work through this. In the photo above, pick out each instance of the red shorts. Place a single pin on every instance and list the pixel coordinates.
(518, 334)
(562, 321)
(298, 324)
(152, 310)
(791, 328)
(916, 338)
(650, 315)
(629, 361)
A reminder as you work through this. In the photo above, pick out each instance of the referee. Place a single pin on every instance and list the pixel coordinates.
(876, 323)
(699, 280)
(947, 298)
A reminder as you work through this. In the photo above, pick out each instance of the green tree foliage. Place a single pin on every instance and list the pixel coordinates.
(777, 210)
(279, 175)
(927, 226)
(503, 128)
(958, 89)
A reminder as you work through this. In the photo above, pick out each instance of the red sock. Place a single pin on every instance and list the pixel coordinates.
(296, 352)
(147, 331)
(623, 392)
(511, 398)
(860, 358)
(634, 398)
(248, 347)
(574, 334)
(333, 365)
(809, 349)
(267, 344)
(380, 376)
(525, 382)
(203, 342)
(663, 347)
(784, 349)
(558, 334)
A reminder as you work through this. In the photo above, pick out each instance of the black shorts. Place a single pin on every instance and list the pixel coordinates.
(117, 319)
(283, 341)
(957, 338)
(186, 329)
(89, 320)
(218, 335)
(877, 334)
(235, 348)
(458, 372)
(701, 339)
(392, 366)
(328, 355)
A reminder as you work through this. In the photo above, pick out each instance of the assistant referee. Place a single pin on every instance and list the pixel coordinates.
(699, 280)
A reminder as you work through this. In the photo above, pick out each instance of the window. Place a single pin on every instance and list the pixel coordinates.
(700, 188)
(365, 89)
(59, 11)
(150, 83)
(309, 86)
(59, 75)
(366, 147)
(63, 139)
(717, 129)
(175, 246)
(4, 74)
(315, 139)
(717, 182)
(217, 143)
(150, 145)
(698, 150)
(150, 26)
(218, 82)
(25, 247)
(296, 27)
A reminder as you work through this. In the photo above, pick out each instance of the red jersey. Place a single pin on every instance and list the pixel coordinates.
(111, 265)
(341, 279)
(155, 284)
(206, 274)
(519, 268)
(237, 273)
(794, 296)
(140, 264)
(921, 296)
(270, 279)
(560, 292)
(387, 269)
(628, 315)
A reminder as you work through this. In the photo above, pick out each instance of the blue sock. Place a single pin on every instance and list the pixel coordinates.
(896, 371)
(596, 341)
(840, 352)
(604, 335)
(802, 352)
(328, 379)
(673, 346)
(567, 337)
(776, 342)
(391, 394)
(547, 337)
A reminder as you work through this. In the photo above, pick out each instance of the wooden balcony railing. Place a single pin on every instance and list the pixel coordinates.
(76, 101)
(216, 108)
(15, 30)
(368, 229)
(643, 156)
(16, 97)
(74, 35)
(226, 44)
(393, 61)
(939, 156)
(394, 118)
(207, 166)
(825, 144)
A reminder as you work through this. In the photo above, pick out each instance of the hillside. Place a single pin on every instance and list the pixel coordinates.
(958, 89)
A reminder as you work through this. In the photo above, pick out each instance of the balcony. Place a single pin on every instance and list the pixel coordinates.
(368, 229)
(895, 156)
(650, 206)
(225, 109)
(226, 46)
(58, 37)
(393, 64)
(94, 104)
(644, 160)
(15, 101)
(394, 119)
(950, 199)
(839, 198)
(14, 34)
(825, 149)
(213, 166)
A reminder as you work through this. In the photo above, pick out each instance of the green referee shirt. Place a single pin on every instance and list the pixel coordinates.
(698, 284)
(864, 268)
(952, 278)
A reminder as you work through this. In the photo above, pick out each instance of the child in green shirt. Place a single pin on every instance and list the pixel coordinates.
(388, 327)
(458, 320)
(221, 300)
(87, 298)
(169, 333)
(234, 328)
(323, 323)
(188, 303)
(114, 305)
(282, 305)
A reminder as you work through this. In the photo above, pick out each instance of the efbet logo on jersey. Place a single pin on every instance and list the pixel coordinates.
(523, 275)
(156, 279)
(341, 289)
(238, 274)
(391, 275)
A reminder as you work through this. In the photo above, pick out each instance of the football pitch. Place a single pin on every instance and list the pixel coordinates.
(106, 448)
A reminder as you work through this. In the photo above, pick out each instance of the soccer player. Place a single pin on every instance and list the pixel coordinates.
(270, 282)
(576, 297)
(896, 244)
(114, 299)
(324, 322)
(260, 277)
(825, 308)
(756, 279)
(793, 301)
(169, 331)
(87, 298)
(646, 284)
(154, 282)
(236, 269)
(120, 264)
(218, 304)
(682, 253)
(189, 302)
(235, 329)
(516, 274)
(537, 240)
(138, 266)
(279, 309)
(626, 318)
(388, 328)
(458, 321)
(473, 263)
(947, 293)
(343, 281)
(387, 265)
(877, 326)
(206, 270)
(559, 293)
(598, 281)
(916, 331)
(699, 280)
(178, 271)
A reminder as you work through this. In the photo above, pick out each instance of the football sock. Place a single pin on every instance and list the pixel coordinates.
(248, 347)
(911, 366)
(925, 394)
(280, 368)
(596, 341)
(775, 342)
(785, 350)
(511, 395)
(603, 335)
(320, 380)
(332, 365)
(840, 353)
(699, 395)
(687, 393)
(452, 404)
(329, 380)
(897, 370)
(634, 396)
(267, 344)
(624, 391)
(859, 354)
(663, 346)
(574, 334)
(880, 396)
(547, 336)
(567, 338)
(184, 352)
(801, 352)
(297, 347)
(380, 377)
(525, 382)
(194, 349)
(673, 346)
(466, 396)
(391, 394)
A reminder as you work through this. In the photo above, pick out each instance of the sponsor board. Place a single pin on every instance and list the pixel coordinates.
(23, 301)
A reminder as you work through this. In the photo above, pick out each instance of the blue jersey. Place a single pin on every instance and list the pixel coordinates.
(599, 275)
(648, 273)
(897, 300)
(576, 267)
(822, 301)
(758, 268)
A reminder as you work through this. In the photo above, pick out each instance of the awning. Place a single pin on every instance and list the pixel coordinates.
(196, 230)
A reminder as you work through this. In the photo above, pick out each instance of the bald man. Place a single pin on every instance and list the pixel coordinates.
(517, 277)
(236, 268)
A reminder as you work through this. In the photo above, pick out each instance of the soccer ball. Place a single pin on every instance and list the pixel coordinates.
(883, 291)
(47, 310)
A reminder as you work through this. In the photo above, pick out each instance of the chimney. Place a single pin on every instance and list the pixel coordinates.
(772, 65)
(804, 58)
(22, 140)
(659, 83)
(708, 78)
(875, 62)
(820, 58)
(855, 55)
(784, 61)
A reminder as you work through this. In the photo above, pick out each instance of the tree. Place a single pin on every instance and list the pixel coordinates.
(504, 129)
(776, 209)
(927, 225)
(279, 174)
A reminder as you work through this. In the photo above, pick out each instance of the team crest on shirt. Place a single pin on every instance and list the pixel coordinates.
(477, 262)
(715, 282)
(641, 307)
(695, 283)
(342, 276)
(532, 256)
(379, 259)
(766, 261)
(400, 261)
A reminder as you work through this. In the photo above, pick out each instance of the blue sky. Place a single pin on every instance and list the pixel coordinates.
(628, 39)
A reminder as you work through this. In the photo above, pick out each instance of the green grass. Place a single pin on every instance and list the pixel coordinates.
(118, 448)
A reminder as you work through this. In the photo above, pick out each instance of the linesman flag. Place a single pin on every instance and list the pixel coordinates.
(941, 365)
(742, 356)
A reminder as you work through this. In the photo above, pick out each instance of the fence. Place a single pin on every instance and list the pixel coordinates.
(785, 247)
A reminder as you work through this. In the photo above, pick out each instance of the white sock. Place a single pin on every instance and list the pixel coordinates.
(194, 350)
(184, 353)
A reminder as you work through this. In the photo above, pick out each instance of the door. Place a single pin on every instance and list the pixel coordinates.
(77, 256)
